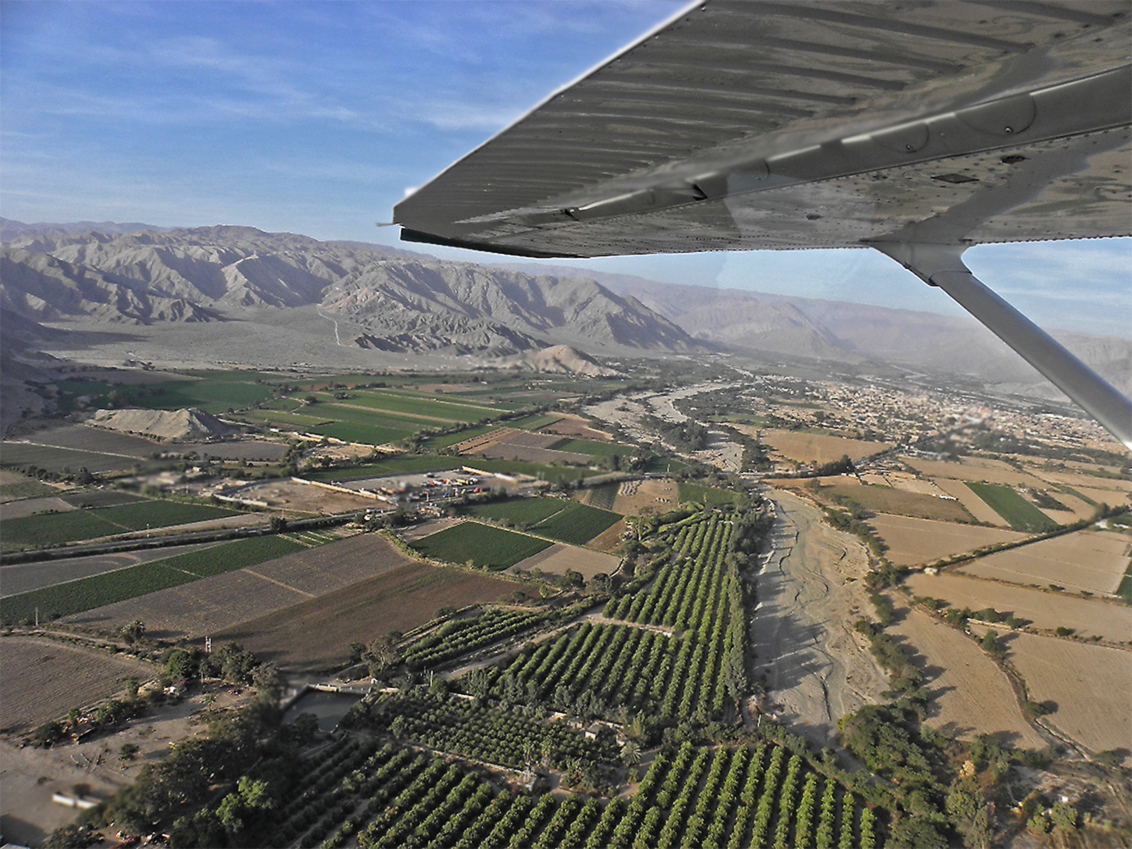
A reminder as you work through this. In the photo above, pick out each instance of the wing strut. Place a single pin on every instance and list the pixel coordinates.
(943, 266)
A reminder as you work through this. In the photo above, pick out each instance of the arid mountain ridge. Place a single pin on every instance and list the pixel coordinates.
(400, 302)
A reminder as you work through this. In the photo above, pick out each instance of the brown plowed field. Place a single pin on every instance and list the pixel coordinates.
(885, 499)
(1090, 685)
(970, 694)
(1088, 617)
(212, 604)
(43, 679)
(571, 425)
(1089, 560)
(818, 447)
(610, 538)
(560, 557)
(912, 541)
(316, 634)
(32, 506)
(974, 469)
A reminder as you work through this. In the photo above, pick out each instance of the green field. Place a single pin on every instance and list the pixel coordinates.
(21, 486)
(444, 411)
(1019, 513)
(110, 587)
(101, 498)
(707, 495)
(521, 512)
(56, 529)
(447, 440)
(1125, 588)
(486, 547)
(59, 528)
(404, 464)
(604, 496)
(567, 521)
(577, 524)
(213, 392)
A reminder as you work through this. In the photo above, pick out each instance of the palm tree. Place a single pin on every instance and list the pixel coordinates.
(631, 753)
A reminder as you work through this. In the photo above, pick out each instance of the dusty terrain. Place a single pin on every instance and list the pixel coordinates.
(54, 677)
(1089, 687)
(635, 498)
(815, 447)
(29, 776)
(1045, 609)
(816, 667)
(970, 694)
(1090, 560)
(560, 557)
(912, 541)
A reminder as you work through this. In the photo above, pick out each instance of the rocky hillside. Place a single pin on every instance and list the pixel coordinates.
(389, 301)
(776, 325)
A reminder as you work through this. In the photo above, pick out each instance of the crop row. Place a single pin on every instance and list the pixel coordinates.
(717, 799)
(461, 636)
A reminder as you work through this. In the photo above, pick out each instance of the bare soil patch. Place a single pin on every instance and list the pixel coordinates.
(428, 528)
(912, 541)
(638, 498)
(1087, 617)
(974, 469)
(810, 591)
(560, 557)
(99, 441)
(32, 506)
(30, 776)
(572, 425)
(970, 694)
(527, 447)
(610, 538)
(1111, 490)
(54, 677)
(1089, 686)
(1090, 560)
(306, 498)
(248, 449)
(884, 499)
(815, 447)
(316, 634)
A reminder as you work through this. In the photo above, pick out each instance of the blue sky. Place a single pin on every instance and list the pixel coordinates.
(315, 117)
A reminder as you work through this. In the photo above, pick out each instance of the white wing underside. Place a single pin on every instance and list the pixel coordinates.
(918, 127)
(743, 124)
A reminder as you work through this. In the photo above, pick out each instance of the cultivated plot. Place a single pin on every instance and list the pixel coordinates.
(1045, 609)
(14, 486)
(974, 505)
(886, 499)
(253, 590)
(55, 677)
(817, 448)
(1089, 560)
(969, 694)
(1090, 688)
(559, 558)
(1019, 513)
(315, 634)
(912, 541)
(484, 546)
(974, 469)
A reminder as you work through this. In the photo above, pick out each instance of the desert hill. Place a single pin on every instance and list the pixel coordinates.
(779, 325)
(176, 425)
(557, 359)
(389, 301)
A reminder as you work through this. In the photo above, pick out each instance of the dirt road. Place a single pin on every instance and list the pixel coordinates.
(810, 592)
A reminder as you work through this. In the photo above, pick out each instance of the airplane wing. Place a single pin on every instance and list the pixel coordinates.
(917, 127)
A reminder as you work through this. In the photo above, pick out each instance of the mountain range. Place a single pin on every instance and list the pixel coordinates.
(277, 298)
